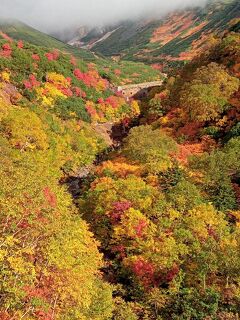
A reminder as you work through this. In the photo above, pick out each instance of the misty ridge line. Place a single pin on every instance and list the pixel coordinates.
(53, 16)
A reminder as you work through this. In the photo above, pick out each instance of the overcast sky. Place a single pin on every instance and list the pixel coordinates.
(50, 15)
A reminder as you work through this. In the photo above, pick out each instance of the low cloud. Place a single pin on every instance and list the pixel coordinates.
(57, 15)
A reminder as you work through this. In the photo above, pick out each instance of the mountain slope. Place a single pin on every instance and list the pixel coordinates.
(168, 221)
(46, 104)
(178, 37)
(118, 73)
(20, 31)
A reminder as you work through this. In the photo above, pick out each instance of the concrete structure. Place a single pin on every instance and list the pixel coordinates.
(138, 90)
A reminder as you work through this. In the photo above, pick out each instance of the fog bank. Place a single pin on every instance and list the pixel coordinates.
(57, 15)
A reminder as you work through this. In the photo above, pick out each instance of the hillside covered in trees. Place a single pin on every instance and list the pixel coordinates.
(50, 263)
(165, 208)
(154, 230)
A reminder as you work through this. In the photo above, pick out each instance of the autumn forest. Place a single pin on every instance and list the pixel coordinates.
(115, 207)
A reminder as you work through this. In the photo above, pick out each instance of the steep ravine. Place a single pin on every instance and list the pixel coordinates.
(113, 134)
